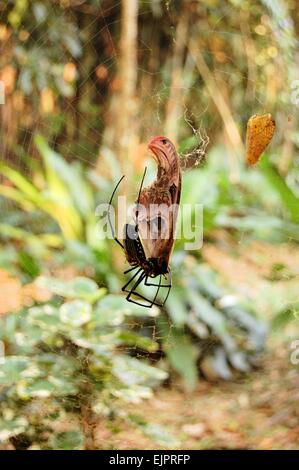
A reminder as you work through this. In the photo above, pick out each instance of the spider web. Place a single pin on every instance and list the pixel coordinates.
(155, 98)
(189, 159)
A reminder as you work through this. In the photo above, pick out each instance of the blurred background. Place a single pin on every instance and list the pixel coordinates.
(83, 86)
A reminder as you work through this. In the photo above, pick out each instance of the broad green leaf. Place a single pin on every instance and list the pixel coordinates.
(87, 289)
(97, 340)
(68, 440)
(181, 354)
(133, 394)
(159, 435)
(28, 263)
(131, 371)
(38, 389)
(57, 364)
(46, 387)
(75, 313)
(17, 196)
(71, 175)
(264, 226)
(111, 303)
(176, 305)
(79, 287)
(284, 317)
(135, 340)
(288, 198)
(46, 317)
(239, 360)
(12, 368)
(41, 241)
(60, 204)
(72, 44)
(28, 190)
(218, 363)
(10, 428)
(207, 313)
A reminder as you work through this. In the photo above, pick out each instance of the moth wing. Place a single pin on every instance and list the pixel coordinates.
(157, 223)
(260, 130)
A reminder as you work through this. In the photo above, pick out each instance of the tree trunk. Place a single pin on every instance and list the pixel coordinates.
(174, 107)
(120, 133)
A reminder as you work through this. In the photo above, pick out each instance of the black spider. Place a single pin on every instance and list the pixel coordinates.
(145, 268)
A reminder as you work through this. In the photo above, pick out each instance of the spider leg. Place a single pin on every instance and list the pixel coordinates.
(132, 292)
(140, 189)
(140, 296)
(151, 284)
(143, 276)
(157, 291)
(130, 280)
(169, 287)
(131, 269)
(157, 285)
(108, 215)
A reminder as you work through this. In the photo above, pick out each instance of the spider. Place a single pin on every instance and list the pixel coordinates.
(145, 268)
(149, 256)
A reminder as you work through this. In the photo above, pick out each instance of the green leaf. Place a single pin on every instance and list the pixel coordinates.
(176, 306)
(106, 315)
(131, 371)
(41, 241)
(75, 313)
(159, 435)
(38, 389)
(28, 264)
(68, 440)
(59, 199)
(28, 190)
(137, 341)
(17, 196)
(264, 226)
(40, 12)
(87, 289)
(10, 428)
(288, 198)
(182, 356)
(46, 317)
(79, 287)
(72, 44)
(70, 174)
(217, 363)
(133, 394)
(112, 303)
(100, 344)
(12, 368)
(208, 314)
(284, 317)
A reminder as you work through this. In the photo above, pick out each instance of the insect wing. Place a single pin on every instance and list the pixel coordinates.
(260, 130)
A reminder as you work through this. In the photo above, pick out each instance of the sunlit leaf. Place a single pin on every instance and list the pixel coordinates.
(79, 287)
(68, 440)
(12, 428)
(75, 313)
(181, 354)
(133, 372)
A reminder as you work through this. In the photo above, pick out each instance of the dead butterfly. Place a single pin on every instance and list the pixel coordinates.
(260, 130)
(148, 243)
